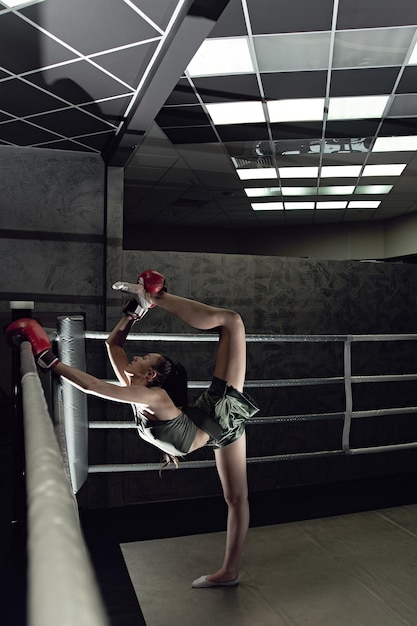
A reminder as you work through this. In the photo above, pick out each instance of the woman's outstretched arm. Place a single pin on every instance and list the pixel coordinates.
(114, 344)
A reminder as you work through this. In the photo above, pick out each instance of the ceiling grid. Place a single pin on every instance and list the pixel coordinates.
(329, 83)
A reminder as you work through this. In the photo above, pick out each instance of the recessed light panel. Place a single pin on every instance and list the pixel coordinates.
(236, 112)
(407, 143)
(267, 206)
(364, 204)
(331, 205)
(289, 206)
(371, 47)
(299, 191)
(340, 171)
(357, 108)
(369, 189)
(393, 169)
(413, 58)
(298, 172)
(16, 3)
(297, 110)
(259, 173)
(221, 56)
(336, 190)
(260, 192)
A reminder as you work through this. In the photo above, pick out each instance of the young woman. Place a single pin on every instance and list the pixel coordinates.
(156, 389)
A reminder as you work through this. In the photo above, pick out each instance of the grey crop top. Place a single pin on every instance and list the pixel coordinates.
(174, 436)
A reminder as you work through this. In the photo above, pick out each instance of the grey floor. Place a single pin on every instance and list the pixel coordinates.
(349, 570)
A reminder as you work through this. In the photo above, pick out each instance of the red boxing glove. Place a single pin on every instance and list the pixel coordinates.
(27, 329)
(153, 281)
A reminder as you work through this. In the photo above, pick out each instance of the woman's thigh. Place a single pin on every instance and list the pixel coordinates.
(231, 467)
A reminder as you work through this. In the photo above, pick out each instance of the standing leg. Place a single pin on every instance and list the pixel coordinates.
(231, 466)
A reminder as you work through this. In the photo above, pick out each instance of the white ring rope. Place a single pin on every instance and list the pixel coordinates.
(61, 583)
(347, 379)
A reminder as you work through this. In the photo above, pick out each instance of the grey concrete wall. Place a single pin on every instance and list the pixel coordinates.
(52, 236)
(277, 296)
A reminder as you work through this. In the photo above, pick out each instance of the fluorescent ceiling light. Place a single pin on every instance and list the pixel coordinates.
(413, 57)
(395, 144)
(215, 57)
(365, 189)
(298, 172)
(236, 112)
(299, 191)
(267, 206)
(259, 192)
(340, 171)
(360, 107)
(393, 169)
(342, 190)
(331, 205)
(298, 110)
(364, 204)
(289, 206)
(16, 3)
(257, 173)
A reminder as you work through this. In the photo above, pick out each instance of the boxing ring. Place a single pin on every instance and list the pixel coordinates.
(57, 456)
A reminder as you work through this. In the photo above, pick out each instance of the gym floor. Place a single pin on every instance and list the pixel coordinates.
(342, 553)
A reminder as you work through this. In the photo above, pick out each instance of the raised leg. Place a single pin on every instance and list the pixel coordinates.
(230, 460)
(231, 353)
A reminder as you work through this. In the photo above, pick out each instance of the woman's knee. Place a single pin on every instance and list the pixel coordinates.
(236, 499)
(232, 320)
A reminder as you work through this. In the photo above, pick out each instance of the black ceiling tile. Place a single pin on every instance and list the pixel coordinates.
(38, 50)
(231, 22)
(228, 88)
(78, 82)
(129, 64)
(363, 82)
(242, 132)
(296, 130)
(72, 122)
(96, 142)
(4, 117)
(158, 12)
(408, 82)
(23, 134)
(21, 99)
(196, 134)
(375, 13)
(281, 16)
(287, 85)
(109, 110)
(91, 26)
(351, 128)
(402, 126)
(181, 116)
(65, 145)
(182, 93)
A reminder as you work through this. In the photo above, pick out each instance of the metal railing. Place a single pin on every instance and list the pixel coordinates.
(348, 380)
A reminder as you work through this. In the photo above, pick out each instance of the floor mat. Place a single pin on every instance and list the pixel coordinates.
(351, 570)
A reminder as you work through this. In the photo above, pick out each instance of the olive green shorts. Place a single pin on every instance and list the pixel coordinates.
(229, 408)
